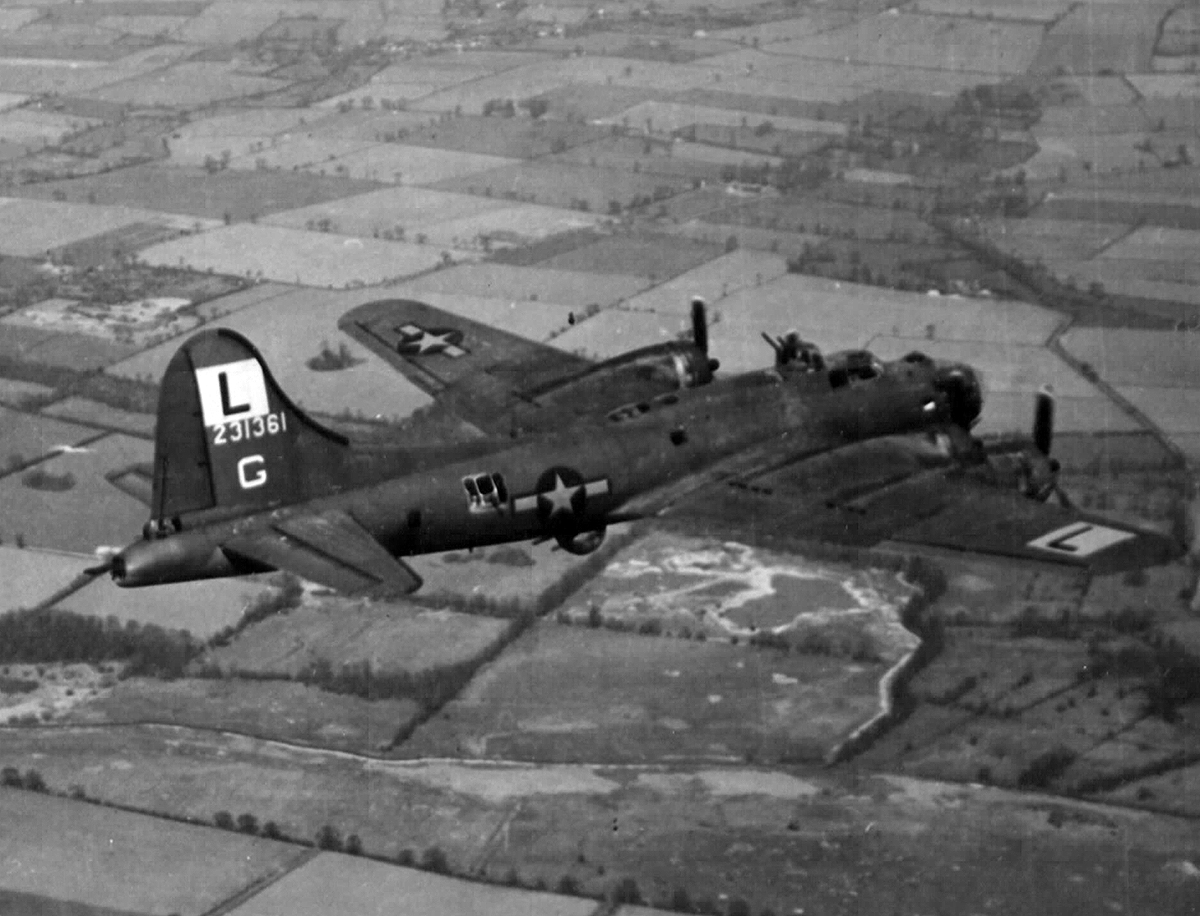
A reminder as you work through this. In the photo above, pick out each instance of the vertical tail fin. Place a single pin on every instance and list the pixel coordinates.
(228, 437)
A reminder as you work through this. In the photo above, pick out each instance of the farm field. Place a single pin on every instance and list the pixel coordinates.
(542, 76)
(190, 83)
(559, 184)
(566, 692)
(90, 513)
(1128, 356)
(93, 413)
(511, 138)
(31, 575)
(362, 886)
(680, 811)
(39, 128)
(712, 281)
(30, 228)
(73, 852)
(59, 348)
(578, 287)
(192, 191)
(25, 437)
(392, 637)
(512, 226)
(291, 255)
(1155, 243)
(1122, 35)
(14, 392)
(664, 117)
(394, 162)
(372, 387)
(657, 257)
(201, 608)
(277, 710)
(1172, 211)
(1174, 410)
(946, 44)
(35, 76)
(1052, 240)
(229, 303)
(387, 210)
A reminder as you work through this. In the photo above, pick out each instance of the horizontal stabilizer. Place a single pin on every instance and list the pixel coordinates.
(329, 548)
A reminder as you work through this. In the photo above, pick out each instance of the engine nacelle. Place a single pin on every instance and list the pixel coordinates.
(580, 543)
(174, 558)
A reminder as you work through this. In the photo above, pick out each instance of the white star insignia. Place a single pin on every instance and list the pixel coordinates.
(560, 497)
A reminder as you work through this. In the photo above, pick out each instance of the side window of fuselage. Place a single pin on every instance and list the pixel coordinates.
(485, 492)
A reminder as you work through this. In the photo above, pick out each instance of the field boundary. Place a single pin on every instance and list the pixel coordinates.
(254, 888)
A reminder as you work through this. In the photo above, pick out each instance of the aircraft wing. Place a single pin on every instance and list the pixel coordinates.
(329, 548)
(896, 489)
(478, 372)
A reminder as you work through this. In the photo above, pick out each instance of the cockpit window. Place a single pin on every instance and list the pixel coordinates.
(853, 366)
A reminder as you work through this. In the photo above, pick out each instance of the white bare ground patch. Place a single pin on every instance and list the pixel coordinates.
(497, 783)
(727, 783)
(59, 689)
(710, 581)
(142, 321)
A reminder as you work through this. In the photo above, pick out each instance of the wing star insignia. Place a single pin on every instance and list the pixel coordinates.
(422, 342)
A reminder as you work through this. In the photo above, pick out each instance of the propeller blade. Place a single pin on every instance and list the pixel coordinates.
(699, 325)
(101, 569)
(106, 555)
(1043, 421)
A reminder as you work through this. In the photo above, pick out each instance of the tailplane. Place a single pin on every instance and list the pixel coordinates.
(228, 437)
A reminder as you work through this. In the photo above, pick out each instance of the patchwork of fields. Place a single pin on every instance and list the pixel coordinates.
(1007, 183)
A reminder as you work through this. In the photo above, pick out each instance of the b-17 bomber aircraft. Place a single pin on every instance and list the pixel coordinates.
(842, 448)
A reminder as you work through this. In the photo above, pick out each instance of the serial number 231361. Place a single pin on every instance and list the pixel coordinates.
(249, 428)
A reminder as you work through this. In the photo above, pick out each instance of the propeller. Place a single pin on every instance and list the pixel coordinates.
(1039, 469)
(700, 336)
(1043, 420)
(106, 555)
(699, 325)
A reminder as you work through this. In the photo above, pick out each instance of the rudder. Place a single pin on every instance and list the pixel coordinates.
(228, 437)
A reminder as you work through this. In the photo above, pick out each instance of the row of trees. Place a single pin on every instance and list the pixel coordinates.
(64, 636)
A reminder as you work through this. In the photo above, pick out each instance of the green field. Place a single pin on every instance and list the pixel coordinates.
(278, 710)
(26, 436)
(90, 513)
(193, 191)
(391, 637)
(346, 884)
(115, 860)
(574, 693)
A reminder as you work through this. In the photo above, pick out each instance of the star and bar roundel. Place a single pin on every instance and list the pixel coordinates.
(418, 341)
(560, 492)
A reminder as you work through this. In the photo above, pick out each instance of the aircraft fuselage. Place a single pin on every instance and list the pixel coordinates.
(573, 481)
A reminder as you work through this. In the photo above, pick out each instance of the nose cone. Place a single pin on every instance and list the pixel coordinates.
(963, 391)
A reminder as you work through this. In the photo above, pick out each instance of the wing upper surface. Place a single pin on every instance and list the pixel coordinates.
(898, 489)
(477, 371)
(329, 548)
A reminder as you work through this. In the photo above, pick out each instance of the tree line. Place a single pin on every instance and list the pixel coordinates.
(55, 635)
